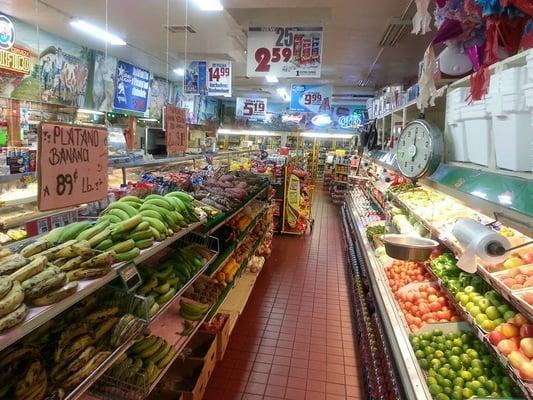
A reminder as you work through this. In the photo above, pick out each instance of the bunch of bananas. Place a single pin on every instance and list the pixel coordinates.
(144, 361)
(175, 270)
(23, 374)
(193, 311)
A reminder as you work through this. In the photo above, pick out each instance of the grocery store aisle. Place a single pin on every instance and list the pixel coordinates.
(295, 337)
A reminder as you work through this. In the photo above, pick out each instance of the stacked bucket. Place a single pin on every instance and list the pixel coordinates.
(499, 128)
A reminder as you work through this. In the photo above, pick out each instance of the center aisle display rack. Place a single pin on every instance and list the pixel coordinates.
(139, 311)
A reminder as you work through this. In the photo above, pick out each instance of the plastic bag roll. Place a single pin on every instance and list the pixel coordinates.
(477, 239)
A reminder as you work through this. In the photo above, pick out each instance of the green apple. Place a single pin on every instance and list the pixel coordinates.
(493, 313)
(480, 318)
(483, 304)
(475, 311)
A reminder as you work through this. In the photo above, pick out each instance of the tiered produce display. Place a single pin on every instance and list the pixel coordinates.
(470, 334)
(62, 328)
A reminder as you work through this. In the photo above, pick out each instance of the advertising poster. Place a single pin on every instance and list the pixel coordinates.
(208, 78)
(131, 89)
(103, 84)
(311, 98)
(294, 52)
(194, 80)
(42, 67)
(253, 109)
(158, 97)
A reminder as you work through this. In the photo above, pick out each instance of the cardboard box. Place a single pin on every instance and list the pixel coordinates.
(224, 335)
(186, 379)
(204, 347)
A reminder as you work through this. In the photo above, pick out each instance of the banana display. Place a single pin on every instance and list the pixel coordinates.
(143, 362)
(193, 311)
(58, 356)
(174, 270)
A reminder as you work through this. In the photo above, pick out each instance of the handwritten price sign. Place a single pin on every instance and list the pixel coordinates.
(285, 52)
(251, 108)
(72, 165)
(176, 132)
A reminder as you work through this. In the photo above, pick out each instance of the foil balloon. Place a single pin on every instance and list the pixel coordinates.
(490, 7)
(448, 30)
(526, 6)
(475, 54)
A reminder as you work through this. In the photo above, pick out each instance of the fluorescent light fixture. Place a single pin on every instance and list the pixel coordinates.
(86, 111)
(179, 71)
(477, 193)
(223, 131)
(272, 79)
(325, 135)
(97, 32)
(149, 119)
(209, 5)
(282, 92)
(505, 199)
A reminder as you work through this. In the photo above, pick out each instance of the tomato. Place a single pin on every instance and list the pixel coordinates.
(435, 306)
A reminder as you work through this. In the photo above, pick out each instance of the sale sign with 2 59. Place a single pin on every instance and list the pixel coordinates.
(284, 52)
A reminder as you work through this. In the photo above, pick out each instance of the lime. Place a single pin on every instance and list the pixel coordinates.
(476, 372)
(442, 396)
(482, 392)
(438, 354)
(424, 343)
(455, 363)
(440, 346)
(420, 354)
(482, 379)
(498, 321)
(472, 354)
(429, 350)
(466, 375)
(467, 393)
(457, 342)
(431, 381)
(460, 382)
(507, 393)
(435, 389)
(487, 360)
(437, 332)
(465, 360)
(490, 385)
(444, 372)
(426, 336)
(452, 374)
(435, 364)
(476, 363)
(424, 364)
(457, 395)
(457, 350)
(446, 383)
(475, 385)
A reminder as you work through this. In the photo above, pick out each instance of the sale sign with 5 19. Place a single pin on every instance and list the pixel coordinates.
(72, 165)
(251, 108)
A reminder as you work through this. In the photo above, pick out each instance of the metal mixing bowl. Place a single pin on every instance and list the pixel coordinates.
(408, 248)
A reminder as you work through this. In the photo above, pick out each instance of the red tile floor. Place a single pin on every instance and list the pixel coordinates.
(295, 337)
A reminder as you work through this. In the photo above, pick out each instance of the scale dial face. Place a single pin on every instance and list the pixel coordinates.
(419, 150)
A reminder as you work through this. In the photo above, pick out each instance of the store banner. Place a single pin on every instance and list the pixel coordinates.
(208, 78)
(176, 130)
(131, 88)
(253, 109)
(294, 52)
(311, 98)
(72, 165)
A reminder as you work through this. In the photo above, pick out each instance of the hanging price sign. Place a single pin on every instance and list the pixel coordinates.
(294, 52)
(311, 98)
(176, 130)
(251, 108)
(72, 165)
(219, 78)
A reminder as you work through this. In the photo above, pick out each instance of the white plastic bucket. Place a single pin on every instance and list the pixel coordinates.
(478, 127)
(529, 60)
(456, 138)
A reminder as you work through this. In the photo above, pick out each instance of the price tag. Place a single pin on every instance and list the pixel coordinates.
(253, 109)
(130, 277)
(72, 165)
(176, 130)
(285, 52)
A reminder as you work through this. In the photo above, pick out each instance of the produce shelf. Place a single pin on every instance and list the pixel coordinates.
(525, 387)
(240, 240)
(210, 230)
(506, 293)
(39, 315)
(411, 376)
(15, 177)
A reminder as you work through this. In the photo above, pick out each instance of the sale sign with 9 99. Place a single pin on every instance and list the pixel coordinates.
(311, 98)
(285, 52)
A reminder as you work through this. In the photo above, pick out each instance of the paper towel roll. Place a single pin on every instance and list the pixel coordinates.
(478, 240)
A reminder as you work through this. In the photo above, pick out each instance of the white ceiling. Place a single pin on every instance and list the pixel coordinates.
(352, 30)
